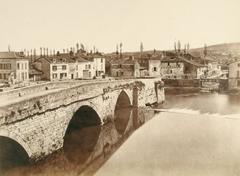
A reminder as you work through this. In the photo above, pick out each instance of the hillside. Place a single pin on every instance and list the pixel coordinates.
(226, 49)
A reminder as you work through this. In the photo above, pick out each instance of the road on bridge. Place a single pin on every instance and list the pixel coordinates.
(6, 99)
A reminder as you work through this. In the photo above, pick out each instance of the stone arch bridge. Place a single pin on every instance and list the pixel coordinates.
(38, 124)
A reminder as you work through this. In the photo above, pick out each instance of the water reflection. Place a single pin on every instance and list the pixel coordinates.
(122, 112)
(82, 135)
(12, 155)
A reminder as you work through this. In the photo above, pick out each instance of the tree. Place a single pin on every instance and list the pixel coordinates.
(77, 46)
(117, 49)
(205, 50)
(179, 46)
(82, 47)
(175, 46)
(141, 48)
(121, 49)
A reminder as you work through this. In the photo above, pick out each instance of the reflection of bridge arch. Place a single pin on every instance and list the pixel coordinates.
(82, 134)
(14, 151)
(122, 112)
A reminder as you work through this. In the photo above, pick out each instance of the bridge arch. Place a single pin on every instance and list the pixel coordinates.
(82, 134)
(122, 112)
(13, 151)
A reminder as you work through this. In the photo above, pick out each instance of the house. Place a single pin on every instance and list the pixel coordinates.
(65, 66)
(154, 67)
(181, 68)
(53, 68)
(98, 64)
(234, 75)
(84, 68)
(150, 66)
(35, 74)
(125, 68)
(14, 67)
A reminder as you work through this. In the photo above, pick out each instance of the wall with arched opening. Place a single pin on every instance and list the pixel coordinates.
(13, 151)
(82, 135)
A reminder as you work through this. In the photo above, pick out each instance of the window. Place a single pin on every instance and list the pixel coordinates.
(64, 67)
(22, 77)
(238, 64)
(25, 66)
(0, 76)
(154, 68)
(25, 75)
(18, 66)
(101, 60)
(89, 66)
(238, 83)
(54, 75)
(238, 74)
(54, 68)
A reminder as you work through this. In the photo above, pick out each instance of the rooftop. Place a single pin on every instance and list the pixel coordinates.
(11, 55)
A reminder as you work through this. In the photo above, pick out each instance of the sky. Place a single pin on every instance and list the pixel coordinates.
(59, 24)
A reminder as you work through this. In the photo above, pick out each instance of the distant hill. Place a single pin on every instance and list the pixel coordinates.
(226, 49)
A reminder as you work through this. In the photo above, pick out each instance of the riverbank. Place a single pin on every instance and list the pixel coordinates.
(181, 90)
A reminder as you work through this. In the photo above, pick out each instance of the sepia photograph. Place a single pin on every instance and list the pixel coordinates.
(119, 88)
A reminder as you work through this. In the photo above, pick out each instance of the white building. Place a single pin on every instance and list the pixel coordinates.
(99, 64)
(84, 69)
(65, 67)
(154, 67)
(14, 67)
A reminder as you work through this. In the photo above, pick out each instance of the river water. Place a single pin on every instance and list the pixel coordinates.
(199, 135)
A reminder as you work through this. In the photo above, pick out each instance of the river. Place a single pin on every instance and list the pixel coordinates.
(199, 135)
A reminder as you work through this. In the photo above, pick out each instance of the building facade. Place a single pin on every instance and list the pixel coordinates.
(154, 67)
(14, 67)
(125, 68)
(63, 68)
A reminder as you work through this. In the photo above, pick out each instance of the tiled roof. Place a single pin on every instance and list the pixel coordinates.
(35, 71)
(123, 61)
(81, 59)
(10, 55)
(192, 62)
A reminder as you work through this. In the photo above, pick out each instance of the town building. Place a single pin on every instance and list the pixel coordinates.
(125, 68)
(14, 67)
(84, 68)
(154, 67)
(98, 64)
(65, 66)
(150, 66)
(234, 75)
(181, 68)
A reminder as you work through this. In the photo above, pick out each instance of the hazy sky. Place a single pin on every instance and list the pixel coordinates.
(104, 23)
